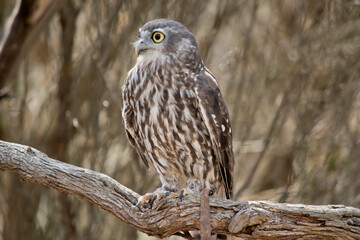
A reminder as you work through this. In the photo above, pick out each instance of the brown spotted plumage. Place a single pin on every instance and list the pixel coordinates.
(175, 115)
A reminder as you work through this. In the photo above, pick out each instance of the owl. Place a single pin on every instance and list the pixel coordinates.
(175, 115)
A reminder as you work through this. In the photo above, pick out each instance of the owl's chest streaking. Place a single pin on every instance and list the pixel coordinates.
(168, 124)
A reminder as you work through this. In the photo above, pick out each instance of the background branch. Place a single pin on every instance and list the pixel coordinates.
(23, 28)
(253, 219)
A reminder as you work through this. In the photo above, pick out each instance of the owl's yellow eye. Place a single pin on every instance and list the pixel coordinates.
(158, 37)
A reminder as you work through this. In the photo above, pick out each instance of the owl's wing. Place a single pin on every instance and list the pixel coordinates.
(131, 128)
(216, 117)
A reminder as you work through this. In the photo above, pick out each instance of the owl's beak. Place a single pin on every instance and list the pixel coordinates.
(140, 46)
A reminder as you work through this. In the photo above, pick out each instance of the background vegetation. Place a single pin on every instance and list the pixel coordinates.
(289, 71)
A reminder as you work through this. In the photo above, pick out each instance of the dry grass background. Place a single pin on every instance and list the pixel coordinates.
(289, 71)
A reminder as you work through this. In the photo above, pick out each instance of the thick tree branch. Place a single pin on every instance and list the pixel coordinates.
(255, 219)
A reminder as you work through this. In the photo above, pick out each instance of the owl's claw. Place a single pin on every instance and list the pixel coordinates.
(143, 200)
(211, 191)
(139, 206)
(183, 193)
(167, 194)
(149, 199)
(152, 200)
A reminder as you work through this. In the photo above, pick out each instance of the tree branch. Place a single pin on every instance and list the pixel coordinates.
(253, 219)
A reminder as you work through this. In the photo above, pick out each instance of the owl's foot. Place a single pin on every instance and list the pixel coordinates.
(194, 186)
(188, 190)
(148, 200)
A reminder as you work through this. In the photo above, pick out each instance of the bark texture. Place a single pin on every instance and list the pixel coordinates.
(252, 219)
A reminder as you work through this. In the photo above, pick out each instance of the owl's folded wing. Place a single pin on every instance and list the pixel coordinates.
(216, 117)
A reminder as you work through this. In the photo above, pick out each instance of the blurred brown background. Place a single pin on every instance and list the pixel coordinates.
(289, 71)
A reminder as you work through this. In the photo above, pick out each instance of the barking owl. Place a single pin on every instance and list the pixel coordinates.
(175, 115)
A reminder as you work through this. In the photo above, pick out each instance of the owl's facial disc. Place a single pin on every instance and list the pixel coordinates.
(163, 39)
(149, 41)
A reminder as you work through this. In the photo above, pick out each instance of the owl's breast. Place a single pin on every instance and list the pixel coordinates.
(171, 127)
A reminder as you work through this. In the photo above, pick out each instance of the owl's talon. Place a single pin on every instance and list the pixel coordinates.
(152, 200)
(149, 199)
(167, 194)
(144, 200)
(211, 191)
(183, 193)
(139, 206)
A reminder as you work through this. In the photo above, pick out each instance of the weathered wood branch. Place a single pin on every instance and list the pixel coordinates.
(253, 219)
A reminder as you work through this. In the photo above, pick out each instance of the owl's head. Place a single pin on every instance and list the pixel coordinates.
(167, 37)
